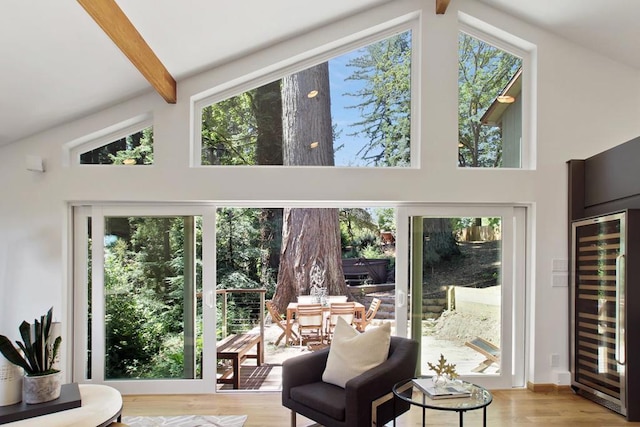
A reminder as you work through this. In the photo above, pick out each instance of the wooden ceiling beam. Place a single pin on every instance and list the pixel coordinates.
(117, 26)
(441, 6)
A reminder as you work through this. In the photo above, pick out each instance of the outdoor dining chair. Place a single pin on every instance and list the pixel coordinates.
(310, 319)
(346, 310)
(277, 319)
(361, 322)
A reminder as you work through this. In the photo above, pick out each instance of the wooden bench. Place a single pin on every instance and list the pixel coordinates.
(488, 350)
(356, 279)
(236, 348)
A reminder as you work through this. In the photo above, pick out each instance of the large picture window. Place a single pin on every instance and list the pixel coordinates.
(353, 110)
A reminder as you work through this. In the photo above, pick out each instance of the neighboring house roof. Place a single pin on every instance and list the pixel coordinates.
(493, 115)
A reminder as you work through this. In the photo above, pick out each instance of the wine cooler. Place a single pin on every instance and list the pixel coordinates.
(604, 311)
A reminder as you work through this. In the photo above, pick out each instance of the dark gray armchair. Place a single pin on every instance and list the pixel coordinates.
(304, 392)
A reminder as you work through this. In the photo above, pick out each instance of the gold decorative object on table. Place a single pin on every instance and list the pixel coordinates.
(444, 371)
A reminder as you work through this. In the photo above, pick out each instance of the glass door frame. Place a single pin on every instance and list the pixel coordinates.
(514, 277)
(96, 214)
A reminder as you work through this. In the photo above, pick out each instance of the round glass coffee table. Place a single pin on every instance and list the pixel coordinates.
(479, 398)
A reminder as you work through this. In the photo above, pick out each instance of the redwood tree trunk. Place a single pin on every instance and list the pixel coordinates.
(440, 243)
(308, 234)
(267, 108)
(306, 122)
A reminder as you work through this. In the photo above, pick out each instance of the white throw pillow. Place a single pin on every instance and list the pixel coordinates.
(353, 353)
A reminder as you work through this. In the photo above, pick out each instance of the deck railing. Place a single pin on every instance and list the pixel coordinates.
(241, 310)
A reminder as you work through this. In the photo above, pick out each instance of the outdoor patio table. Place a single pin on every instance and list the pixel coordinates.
(292, 311)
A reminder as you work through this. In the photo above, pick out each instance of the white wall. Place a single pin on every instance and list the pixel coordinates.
(585, 104)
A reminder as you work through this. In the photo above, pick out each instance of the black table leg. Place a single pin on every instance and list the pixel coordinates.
(484, 416)
(394, 409)
(461, 418)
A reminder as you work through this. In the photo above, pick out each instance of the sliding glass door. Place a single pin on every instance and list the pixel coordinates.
(141, 324)
(462, 267)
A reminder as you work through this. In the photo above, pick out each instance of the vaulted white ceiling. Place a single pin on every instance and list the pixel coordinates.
(56, 64)
(610, 27)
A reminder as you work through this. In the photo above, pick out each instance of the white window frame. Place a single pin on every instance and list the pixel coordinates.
(528, 53)
(512, 340)
(74, 149)
(410, 22)
(97, 213)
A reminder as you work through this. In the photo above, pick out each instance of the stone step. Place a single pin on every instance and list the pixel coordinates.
(434, 301)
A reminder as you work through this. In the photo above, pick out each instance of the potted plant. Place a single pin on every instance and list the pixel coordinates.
(36, 355)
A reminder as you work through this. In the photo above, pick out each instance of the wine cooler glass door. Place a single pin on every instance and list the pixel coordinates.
(598, 298)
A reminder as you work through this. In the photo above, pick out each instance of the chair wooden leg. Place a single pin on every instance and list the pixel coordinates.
(293, 419)
(280, 338)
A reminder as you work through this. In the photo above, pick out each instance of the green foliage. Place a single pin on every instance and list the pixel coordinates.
(229, 132)
(457, 224)
(242, 308)
(385, 100)
(365, 239)
(137, 147)
(372, 252)
(144, 288)
(38, 352)
(357, 230)
(483, 71)
(440, 241)
(238, 242)
(169, 361)
(385, 218)
(440, 246)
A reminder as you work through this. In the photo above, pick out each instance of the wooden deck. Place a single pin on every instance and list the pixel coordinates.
(266, 377)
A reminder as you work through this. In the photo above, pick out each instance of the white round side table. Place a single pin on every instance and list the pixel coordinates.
(101, 405)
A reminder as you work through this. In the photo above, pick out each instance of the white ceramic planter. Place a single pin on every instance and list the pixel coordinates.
(41, 388)
(10, 382)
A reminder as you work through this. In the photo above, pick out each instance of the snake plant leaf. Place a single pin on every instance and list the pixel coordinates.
(47, 323)
(11, 354)
(54, 351)
(28, 370)
(27, 345)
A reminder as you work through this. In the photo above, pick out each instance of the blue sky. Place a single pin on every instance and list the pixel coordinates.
(343, 117)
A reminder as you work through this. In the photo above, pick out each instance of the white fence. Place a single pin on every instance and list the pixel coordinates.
(477, 301)
(483, 233)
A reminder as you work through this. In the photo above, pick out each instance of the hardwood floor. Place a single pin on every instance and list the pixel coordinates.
(509, 408)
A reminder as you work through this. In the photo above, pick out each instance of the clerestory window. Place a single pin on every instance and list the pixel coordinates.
(352, 110)
(133, 149)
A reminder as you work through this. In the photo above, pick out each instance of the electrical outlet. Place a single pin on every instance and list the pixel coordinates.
(555, 360)
(559, 280)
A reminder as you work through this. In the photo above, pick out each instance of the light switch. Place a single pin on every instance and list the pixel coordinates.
(560, 265)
